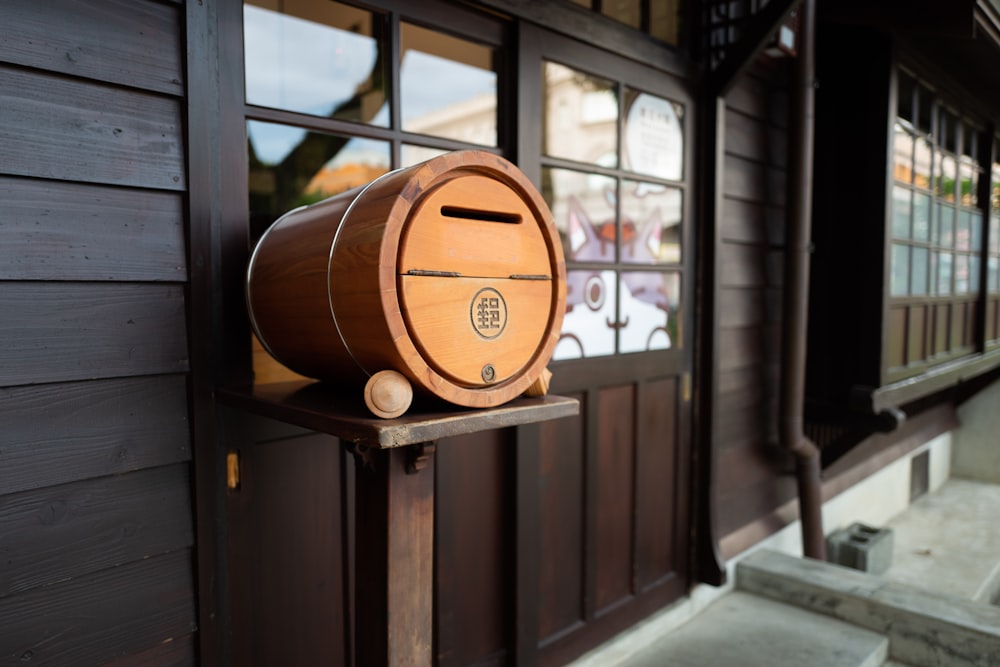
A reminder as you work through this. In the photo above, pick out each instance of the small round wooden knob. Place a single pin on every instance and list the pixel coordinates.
(388, 394)
(540, 386)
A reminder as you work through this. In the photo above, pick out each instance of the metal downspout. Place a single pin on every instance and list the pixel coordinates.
(796, 280)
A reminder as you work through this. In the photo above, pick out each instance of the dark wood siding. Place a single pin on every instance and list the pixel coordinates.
(288, 547)
(749, 481)
(96, 519)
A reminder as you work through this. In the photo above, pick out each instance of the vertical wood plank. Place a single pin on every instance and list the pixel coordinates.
(614, 495)
(656, 458)
(395, 551)
(473, 563)
(561, 504)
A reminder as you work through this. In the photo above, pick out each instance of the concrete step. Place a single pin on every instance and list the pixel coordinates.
(924, 629)
(753, 631)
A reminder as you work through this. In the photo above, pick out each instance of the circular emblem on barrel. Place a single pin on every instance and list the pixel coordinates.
(488, 312)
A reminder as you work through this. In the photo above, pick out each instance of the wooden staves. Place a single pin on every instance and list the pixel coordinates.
(449, 272)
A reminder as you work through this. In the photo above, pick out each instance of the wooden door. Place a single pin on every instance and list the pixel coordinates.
(603, 499)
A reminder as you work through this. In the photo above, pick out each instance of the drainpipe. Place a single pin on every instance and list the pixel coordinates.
(796, 282)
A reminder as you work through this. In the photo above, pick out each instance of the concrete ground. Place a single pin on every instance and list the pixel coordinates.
(931, 608)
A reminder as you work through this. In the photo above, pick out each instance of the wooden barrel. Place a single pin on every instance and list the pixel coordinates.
(450, 272)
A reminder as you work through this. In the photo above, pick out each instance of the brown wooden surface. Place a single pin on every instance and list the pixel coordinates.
(395, 554)
(287, 563)
(95, 474)
(117, 41)
(323, 281)
(99, 617)
(68, 231)
(751, 231)
(104, 135)
(324, 408)
(474, 574)
(77, 331)
(109, 521)
(118, 426)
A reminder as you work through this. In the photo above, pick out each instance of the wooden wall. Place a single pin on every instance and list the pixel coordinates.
(96, 528)
(749, 481)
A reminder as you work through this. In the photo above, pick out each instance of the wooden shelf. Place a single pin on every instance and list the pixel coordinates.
(321, 407)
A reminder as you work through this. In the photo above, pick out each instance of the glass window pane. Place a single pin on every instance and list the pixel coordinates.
(921, 216)
(922, 164)
(901, 212)
(919, 271)
(583, 206)
(650, 304)
(994, 273)
(961, 274)
(970, 184)
(976, 229)
(898, 285)
(946, 226)
(651, 223)
(924, 104)
(290, 167)
(411, 154)
(944, 271)
(664, 19)
(974, 273)
(904, 97)
(591, 315)
(326, 60)
(945, 176)
(902, 150)
(580, 116)
(995, 234)
(448, 86)
(628, 12)
(653, 143)
(963, 232)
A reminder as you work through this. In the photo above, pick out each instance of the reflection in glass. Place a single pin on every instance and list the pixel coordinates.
(653, 142)
(963, 232)
(290, 167)
(628, 12)
(901, 212)
(995, 234)
(664, 19)
(970, 183)
(898, 282)
(651, 223)
(579, 116)
(944, 262)
(921, 216)
(961, 274)
(902, 150)
(945, 181)
(649, 307)
(324, 60)
(918, 271)
(591, 315)
(973, 273)
(994, 273)
(922, 164)
(976, 227)
(583, 206)
(411, 154)
(946, 225)
(448, 86)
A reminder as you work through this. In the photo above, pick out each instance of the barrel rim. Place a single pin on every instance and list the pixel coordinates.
(428, 178)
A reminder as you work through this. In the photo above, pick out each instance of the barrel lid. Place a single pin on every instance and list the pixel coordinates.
(476, 279)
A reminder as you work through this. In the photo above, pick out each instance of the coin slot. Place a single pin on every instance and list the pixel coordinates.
(480, 215)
